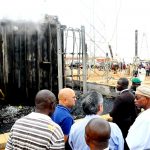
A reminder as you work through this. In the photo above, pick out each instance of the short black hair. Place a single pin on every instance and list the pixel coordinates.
(44, 97)
(124, 81)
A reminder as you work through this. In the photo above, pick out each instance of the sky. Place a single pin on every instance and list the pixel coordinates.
(107, 22)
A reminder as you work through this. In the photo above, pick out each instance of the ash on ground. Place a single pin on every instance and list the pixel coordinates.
(9, 114)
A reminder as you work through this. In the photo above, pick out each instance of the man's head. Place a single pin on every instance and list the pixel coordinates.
(45, 102)
(97, 134)
(67, 97)
(92, 103)
(122, 84)
(135, 83)
(142, 96)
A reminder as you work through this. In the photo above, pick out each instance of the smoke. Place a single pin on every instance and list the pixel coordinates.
(33, 10)
(29, 14)
(22, 9)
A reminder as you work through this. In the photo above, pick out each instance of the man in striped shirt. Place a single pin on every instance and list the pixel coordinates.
(37, 131)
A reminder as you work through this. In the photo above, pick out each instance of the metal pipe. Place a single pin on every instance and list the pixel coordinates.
(136, 43)
(84, 59)
(59, 55)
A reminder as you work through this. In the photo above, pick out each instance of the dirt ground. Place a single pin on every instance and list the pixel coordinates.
(103, 77)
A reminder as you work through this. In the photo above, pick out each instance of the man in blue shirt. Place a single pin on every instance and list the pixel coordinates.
(62, 115)
(92, 105)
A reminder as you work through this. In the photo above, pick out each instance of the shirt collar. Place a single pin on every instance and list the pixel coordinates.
(92, 116)
(66, 108)
(39, 115)
(124, 90)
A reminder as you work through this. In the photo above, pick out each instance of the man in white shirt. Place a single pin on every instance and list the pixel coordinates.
(141, 73)
(92, 105)
(138, 137)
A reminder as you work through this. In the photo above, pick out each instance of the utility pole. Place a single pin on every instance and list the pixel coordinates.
(136, 43)
(111, 53)
(136, 58)
(84, 59)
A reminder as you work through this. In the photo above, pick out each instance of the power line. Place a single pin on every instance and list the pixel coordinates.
(95, 43)
(85, 5)
(87, 20)
(116, 23)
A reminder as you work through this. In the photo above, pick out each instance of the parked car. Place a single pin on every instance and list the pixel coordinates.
(76, 65)
(99, 65)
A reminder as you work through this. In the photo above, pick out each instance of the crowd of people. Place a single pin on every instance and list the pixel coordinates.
(52, 126)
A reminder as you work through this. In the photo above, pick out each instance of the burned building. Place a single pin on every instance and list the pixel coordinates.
(29, 58)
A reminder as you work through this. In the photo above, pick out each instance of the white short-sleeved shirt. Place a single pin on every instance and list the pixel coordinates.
(138, 137)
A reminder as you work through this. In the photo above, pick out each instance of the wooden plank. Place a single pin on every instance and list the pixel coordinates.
(3, 140)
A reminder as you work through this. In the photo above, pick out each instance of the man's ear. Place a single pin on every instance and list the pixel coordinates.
(100, 108)
(52, 108)
(87, 140)
(65, 100)
(146, 101)
(53, 105)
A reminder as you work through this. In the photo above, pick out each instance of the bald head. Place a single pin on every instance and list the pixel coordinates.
(97, 133)
(45, 101)
(64, 93)
(67, 97)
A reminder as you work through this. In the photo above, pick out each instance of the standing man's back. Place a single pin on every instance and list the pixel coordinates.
(124, 113)
(37, 131)
(92, 105)
(124, 110)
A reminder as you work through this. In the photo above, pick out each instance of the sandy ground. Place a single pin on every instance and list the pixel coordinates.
(103, 77)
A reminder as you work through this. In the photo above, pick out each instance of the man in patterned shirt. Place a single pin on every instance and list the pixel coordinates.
(37, 131)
